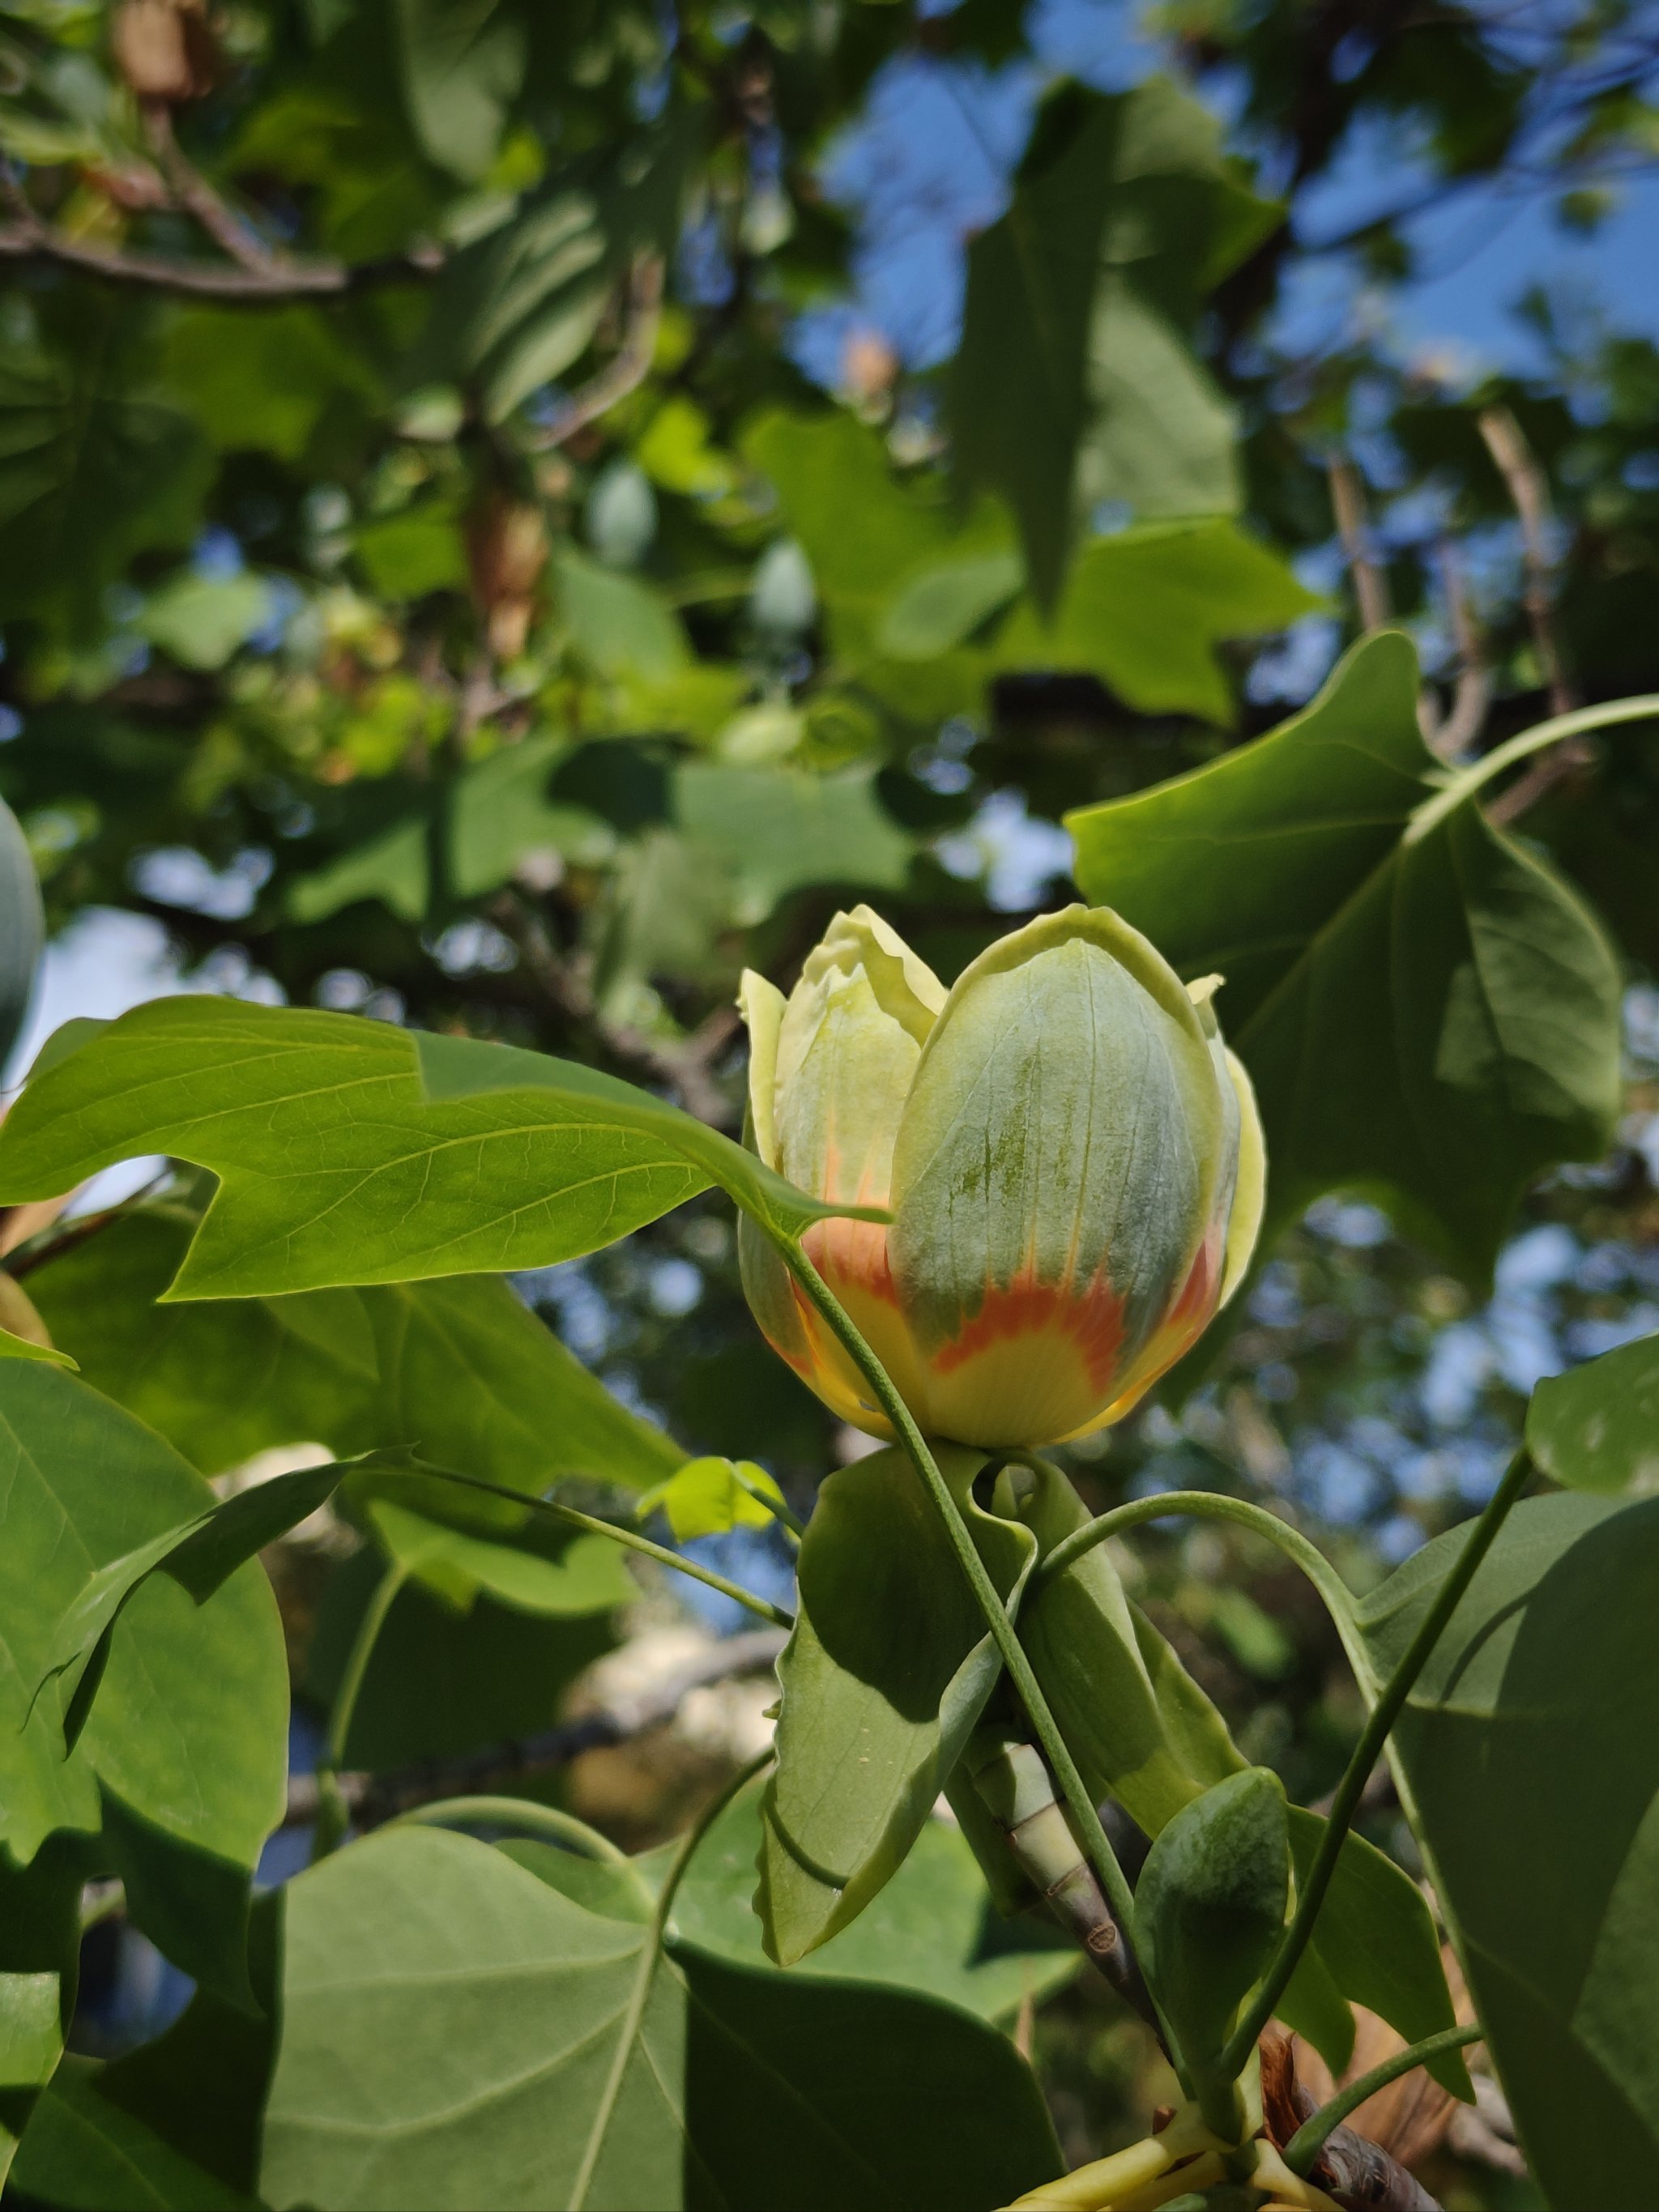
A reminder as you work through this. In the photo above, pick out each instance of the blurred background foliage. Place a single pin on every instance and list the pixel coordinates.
(513, 514)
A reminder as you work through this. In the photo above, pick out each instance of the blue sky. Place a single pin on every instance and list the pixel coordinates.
(929, 165)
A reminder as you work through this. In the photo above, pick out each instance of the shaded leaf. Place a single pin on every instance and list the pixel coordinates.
(1074, 327)
(94, 465)
(885, 1673)
(22, 930)
(1435, 1015)
(457, 1368)
(769, 831)
(39, 1954)
(173, 2124)
(1529, 1756)
(184, 1758)
(1210, 1908)
(440, 1682)
(933, 1928)
(437, 1964)
(462, 66)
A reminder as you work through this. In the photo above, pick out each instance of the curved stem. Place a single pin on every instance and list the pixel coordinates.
(777, 1615)
(640, 1992)
(1081, 1806)
(1212, 1506)
(1383, 1715)
(1434, 812)
(526, 1813)
(333, 1815)
(1305, 2145)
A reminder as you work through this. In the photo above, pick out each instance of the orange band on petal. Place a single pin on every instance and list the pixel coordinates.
(1024, 1306)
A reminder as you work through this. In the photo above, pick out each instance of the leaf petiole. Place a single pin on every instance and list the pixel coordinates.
(1468, 781)
(1207, 1505)
(1305, 2145)
(1383, 1715)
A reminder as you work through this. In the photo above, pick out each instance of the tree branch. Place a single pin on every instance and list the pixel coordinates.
(191, 192)
(627, 369)
(29, 241)
(1352, 526)
(1452, 733)
(1530, 491)
(372, 1799)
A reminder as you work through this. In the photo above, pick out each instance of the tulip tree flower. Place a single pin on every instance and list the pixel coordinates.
(1071, 1158)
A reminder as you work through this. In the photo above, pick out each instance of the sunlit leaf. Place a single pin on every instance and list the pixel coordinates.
(1597, 1427)
(350, 1151)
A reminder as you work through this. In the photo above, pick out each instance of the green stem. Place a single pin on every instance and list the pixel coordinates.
(783, 1513)
(332, 1815)
(1207, 1505)
(526, 1813)
(1079, 1804)
(1434, 812)
(776, 1615)
(1383, 1715)
(639, 1995)
(1305, 2145)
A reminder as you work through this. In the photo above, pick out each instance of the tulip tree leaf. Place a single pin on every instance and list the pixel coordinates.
(94, 467)
(1530, 1755)
(1434, 1016)
(442, 1682)
(1079, 298)
(424, 1970)
(887, 1671)
(457, 1368)
(184, 1758)
(711, 1496)
(770, 830)
(461, 70)
(875, 543)
(1597, 1427)
(199, 1553)
(1144, 611)
(350, 1151)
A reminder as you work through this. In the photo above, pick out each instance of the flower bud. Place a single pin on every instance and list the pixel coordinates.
(1071, 1158)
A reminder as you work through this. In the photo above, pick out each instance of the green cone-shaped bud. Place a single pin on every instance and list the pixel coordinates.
(1071, 1158)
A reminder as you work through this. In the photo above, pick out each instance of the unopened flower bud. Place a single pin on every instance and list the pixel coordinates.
(1071, 1158)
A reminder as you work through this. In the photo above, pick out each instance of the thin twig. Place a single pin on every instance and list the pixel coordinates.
(1370, 588)
(1454, 732)
(1529, 490)
(195, 196)
(28, 239)
(628, 367)
(684, 1066)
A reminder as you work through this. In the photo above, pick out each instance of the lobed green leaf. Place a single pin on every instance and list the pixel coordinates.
(348, 1152)
(1435, 1016)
